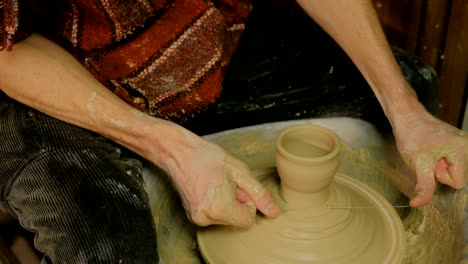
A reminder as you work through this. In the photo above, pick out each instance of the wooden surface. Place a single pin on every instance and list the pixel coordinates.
(16, 244)
(6, 254)
(437, 32)
(401, 20)
(454, 67)
(432, 31)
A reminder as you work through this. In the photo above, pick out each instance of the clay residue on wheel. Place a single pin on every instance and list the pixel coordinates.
(434, 233)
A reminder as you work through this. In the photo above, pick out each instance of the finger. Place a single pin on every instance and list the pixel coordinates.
(426, 184)
(242, 215)
(456, 169)
(260, 196)
(201, 219)
(235, 214)
(242, 176)
(226, 210)
(442, 173)
(241, 196)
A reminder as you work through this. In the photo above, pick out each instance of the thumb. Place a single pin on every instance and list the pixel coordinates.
(426, 184)
(242, 176)
(242, 214)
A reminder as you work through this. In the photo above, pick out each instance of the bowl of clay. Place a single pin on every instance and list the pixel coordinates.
(327, 216)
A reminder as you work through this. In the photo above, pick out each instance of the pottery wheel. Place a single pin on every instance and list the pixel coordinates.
(327, 217)
(356, 225)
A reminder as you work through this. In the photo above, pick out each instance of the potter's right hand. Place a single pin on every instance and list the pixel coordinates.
(436, 151)
(215, 187)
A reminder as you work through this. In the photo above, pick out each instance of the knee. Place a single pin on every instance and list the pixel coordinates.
(86, 205)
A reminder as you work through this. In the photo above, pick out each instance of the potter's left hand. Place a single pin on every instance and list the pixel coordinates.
(434, 150)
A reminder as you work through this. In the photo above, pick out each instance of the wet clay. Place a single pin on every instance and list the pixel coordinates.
(311, 228)
(434, 233)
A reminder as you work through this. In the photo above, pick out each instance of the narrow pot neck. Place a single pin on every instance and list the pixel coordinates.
(301, 200)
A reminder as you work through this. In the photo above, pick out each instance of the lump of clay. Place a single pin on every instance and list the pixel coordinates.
(327, 217)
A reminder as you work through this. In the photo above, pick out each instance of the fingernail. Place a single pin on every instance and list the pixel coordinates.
(415, 202)
(273, 210)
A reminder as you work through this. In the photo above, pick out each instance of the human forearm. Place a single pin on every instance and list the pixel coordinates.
(355, 27)
(42, 75)
(436, 151)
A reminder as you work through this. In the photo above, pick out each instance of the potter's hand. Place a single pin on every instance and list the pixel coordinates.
(215, 187)
(436, 151)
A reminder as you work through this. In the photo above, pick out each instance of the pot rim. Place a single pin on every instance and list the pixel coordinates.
(308, 160)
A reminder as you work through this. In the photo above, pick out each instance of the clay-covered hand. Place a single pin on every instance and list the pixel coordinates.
(435, 150)
(215, 187)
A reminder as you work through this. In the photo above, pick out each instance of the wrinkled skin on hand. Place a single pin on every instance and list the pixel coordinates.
(215, 187)
(434, 150)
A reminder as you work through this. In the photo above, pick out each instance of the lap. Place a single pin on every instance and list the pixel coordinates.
(85, 202)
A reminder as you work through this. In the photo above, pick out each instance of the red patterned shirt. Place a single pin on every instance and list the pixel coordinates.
(164, 57)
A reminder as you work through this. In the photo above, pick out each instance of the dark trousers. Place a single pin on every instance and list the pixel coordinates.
(84, 201)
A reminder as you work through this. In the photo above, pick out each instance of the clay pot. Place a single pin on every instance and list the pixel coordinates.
(327, 217)
(307, 159)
